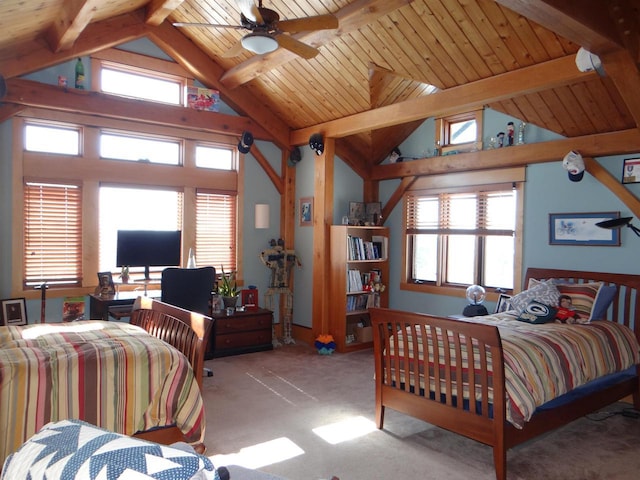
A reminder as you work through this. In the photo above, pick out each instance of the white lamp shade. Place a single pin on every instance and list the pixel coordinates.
(262, 215)
(259, 43)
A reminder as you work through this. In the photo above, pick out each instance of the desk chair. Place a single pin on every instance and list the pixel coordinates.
(189, 288)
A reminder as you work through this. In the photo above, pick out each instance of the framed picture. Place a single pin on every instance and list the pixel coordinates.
(306, 211)
(631, 170)
(357, 213)
(503, 303)
(14, 311)
(373, 211)
(250, 298)
(105, 284)
(581, 229)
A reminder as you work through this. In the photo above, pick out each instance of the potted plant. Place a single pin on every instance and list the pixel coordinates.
(228, 289)
(124, 274)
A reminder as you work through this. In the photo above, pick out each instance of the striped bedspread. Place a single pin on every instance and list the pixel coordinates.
(543, 362)
(110, 374)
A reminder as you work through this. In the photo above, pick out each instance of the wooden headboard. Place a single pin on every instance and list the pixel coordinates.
(625, 307)
(187, 331)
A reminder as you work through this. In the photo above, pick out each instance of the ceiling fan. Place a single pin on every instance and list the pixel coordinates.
(268, 32)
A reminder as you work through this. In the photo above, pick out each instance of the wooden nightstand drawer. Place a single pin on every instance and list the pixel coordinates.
(258, 337)
(235, 324)
(242, 332)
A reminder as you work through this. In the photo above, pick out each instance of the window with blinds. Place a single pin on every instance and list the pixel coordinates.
(52, 234)
(216, 219)
(462, 238)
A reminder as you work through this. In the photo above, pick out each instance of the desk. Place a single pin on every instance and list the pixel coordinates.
(99, 305)
(242, 332)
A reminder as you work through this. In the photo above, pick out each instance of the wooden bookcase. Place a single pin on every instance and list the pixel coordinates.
(356, 252)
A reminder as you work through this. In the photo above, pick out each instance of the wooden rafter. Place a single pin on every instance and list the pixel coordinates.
(158, 10)
(74, 17)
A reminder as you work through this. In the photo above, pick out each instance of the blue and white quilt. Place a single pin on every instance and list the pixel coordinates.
(72, 449)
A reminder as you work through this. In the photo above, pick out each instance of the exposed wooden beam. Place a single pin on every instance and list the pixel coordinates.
(8, 111)
(158, 10)
(35, 94)
(586, 23)
(624, 74)
(75, 15)
(623, 193)
(194, 60)
(543, 76)
(614, 143)
(37, 55)
(350, 18)
(269, 170)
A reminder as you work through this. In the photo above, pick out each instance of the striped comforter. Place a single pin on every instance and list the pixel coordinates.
(113, 375)
(545, 361)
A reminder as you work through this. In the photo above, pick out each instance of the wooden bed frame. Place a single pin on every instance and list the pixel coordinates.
(490, 427)
(188, 332)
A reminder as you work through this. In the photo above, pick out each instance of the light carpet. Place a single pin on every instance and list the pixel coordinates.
(303, 416)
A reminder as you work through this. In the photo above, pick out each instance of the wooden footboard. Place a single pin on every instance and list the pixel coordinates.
(188, 332)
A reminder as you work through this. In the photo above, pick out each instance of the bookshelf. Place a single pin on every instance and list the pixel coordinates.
(359, 256)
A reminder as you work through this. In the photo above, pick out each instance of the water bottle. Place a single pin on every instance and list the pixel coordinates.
(79, 74)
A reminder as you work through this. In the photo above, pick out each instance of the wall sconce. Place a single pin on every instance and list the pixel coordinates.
(316, 142)
(262, 215)
(619, 223)
(244, 145)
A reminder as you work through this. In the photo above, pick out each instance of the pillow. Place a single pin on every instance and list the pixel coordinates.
(583, 296)
(71, 449)
(543, 292)
(603, 300)
(537, 312)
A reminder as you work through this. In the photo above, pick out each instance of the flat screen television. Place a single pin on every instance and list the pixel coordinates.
(148, 248)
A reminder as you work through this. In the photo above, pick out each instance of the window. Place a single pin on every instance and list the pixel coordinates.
(139, 83)
(52, 234)
(462, 238)
(214, 157)
(135, 208)
(51, 139)
(137, 148)
(216, 229)
(459, 133)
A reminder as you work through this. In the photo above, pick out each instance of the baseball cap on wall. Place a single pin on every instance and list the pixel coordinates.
(574, 164)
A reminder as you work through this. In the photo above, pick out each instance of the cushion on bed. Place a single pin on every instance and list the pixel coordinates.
(583, 296)
(603, 301)
(72, 449)
(537, 312)
(543, 292)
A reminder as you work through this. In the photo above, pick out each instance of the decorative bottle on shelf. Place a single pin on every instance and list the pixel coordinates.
(79, 74)
(521, 133)
(192, 259)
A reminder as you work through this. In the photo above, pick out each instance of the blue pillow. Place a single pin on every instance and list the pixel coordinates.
(602, 302)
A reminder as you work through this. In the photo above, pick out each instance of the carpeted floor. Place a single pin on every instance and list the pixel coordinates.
(303, 416)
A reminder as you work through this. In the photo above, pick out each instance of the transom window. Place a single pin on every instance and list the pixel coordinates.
(214, 157)
(139, 83)
(140, 149)
(52, 139)
(459, 133)
(462, 238)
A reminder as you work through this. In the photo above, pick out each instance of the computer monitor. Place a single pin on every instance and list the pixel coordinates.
(148, 248)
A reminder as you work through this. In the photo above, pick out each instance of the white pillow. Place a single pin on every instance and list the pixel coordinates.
(543, 292)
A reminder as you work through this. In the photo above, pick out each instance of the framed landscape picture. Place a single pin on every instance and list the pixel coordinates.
(581, 229)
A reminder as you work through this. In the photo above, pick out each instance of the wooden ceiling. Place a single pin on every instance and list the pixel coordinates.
(373, 81)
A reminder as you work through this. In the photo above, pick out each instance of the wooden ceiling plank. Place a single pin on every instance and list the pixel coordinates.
(73, 19)
(158, 10)
(539, 77)
(567, 120)
(350, 18)
(37, 55)
(591, 107)
(585, 23)
(182, 50)
(613, 109)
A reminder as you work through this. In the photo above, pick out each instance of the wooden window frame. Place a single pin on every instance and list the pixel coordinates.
(443, 132)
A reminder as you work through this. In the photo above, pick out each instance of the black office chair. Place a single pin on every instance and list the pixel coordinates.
(189, 288)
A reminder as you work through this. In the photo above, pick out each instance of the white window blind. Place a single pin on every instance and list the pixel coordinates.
(216, 220)
(52, 234)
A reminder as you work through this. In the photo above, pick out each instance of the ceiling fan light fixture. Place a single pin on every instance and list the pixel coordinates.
(259, 43)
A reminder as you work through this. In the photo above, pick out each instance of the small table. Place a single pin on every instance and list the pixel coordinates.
(99, 304)
(242, 332)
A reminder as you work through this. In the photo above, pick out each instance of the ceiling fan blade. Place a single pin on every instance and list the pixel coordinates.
(318, 22)
(234, 51)
(207, 25)
(296, 46)
(250, 10)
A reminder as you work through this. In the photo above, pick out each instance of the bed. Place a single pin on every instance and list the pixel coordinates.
(141, 378)
(526, 378)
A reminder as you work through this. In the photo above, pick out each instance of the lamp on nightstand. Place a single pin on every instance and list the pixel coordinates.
(476, 295)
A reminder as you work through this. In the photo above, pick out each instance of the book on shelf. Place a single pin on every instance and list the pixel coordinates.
(361, 249)
(354, 281)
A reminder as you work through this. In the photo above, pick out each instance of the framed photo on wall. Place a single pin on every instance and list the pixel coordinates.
(631, 170)
(14, 311)
(581, 229)
(306, 211)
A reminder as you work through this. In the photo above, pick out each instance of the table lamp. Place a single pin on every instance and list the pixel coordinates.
(476, 295)
(619, 223)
